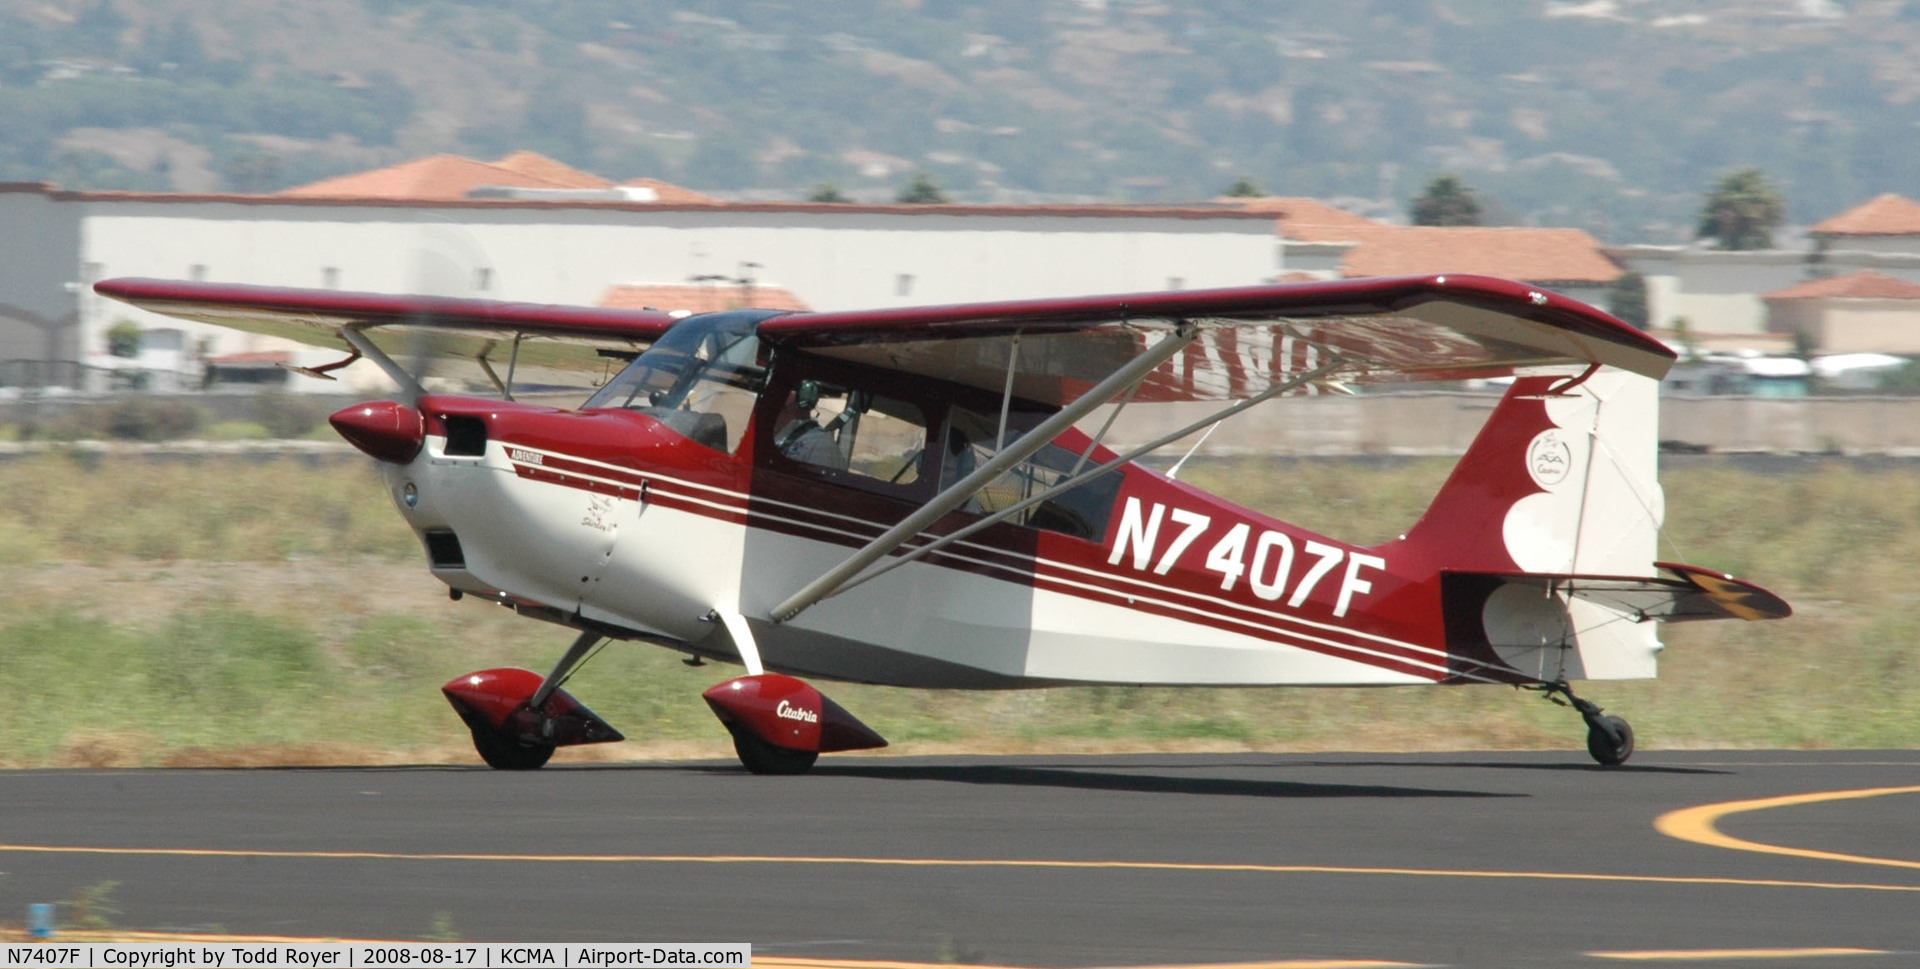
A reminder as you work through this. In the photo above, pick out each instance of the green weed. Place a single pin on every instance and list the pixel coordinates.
(93, 681)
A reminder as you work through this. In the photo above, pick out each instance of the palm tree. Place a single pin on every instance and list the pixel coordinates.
(1742, 211)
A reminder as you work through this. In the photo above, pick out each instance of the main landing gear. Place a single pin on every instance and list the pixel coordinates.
(1609, 739)
(780, 725)
(518, 717)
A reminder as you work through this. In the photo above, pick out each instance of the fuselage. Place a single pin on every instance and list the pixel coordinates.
(610, 516)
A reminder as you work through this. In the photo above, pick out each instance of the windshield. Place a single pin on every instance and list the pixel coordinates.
(700, 380)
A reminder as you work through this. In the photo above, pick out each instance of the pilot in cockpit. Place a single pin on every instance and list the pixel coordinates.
(800, 437)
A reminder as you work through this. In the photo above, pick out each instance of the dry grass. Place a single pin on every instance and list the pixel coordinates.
(234, 612)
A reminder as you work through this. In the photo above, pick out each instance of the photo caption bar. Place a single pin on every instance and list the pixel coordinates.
(377, 955)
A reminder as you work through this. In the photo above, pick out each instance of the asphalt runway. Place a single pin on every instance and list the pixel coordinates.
(1472, 859)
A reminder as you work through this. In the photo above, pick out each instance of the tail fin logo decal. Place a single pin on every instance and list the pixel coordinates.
(1549, 459)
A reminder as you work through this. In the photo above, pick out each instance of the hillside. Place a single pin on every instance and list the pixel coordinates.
(1612, 115)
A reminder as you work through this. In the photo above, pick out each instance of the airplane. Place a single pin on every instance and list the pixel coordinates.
(908, 496)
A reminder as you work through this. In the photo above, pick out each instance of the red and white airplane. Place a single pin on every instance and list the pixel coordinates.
(903, 497)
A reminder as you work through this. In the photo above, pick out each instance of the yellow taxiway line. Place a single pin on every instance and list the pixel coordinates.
(975, 863)
(1705, 955)
(1700, 825)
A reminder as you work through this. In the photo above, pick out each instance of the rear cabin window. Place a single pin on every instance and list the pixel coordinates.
(1083, 512)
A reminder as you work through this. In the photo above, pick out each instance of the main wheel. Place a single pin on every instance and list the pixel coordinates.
(502, 753)
(761, 757)
(1604, 748)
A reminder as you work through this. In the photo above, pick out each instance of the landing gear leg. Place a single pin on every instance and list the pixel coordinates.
(1609, 739)
(518, 717)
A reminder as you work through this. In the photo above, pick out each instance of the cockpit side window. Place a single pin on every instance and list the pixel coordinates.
(700, 380)
(974, 438)
(845, 429)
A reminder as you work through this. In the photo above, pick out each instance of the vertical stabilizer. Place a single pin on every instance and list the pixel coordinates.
(1557, 483)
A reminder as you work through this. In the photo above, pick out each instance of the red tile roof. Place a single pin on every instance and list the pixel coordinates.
(560, 175)
(1533, 255)
(670, 298)
(438, 177)
(442, 178)
(1299, 211)
(1888, 215)
(670, 193)
(1864, 284)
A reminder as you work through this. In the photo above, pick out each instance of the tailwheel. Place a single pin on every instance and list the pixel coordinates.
(760, 757)
(1609, 739)
(1610, 747)
(506, 753)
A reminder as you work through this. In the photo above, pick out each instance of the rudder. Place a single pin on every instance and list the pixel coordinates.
(1561, 482)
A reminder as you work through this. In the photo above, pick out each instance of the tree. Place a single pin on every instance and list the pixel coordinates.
(1627, 299)
(1742, 211)
(1244, 188)
(124, 338)
(923, 190)
(1683, 335)
(828, 192)
(1446, 201)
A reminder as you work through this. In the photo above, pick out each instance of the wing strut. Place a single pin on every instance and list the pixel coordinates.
(505, 389)
(956, 494)
(1077, 480)
(409, 386)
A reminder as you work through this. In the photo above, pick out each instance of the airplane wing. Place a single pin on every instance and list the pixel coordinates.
(1250, 339)
(562, 337)
(1244, 345)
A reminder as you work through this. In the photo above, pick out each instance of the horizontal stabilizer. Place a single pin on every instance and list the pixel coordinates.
(1682, 593)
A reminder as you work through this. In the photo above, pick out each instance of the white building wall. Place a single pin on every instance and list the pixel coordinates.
(1870, 326)
(39, 258)
(1715, 291)
(1902, 245)
(832, 260)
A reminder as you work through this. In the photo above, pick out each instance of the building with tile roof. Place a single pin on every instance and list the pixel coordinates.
(1861, 284)
(1568, 257)
(433, 178)
(1293, 210)
(691, 298)
(536, 165)
(1860, 312)
(524, 174)
(1889, 223)
(1323, 242)
(419, 228)
(670, 193)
